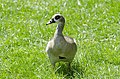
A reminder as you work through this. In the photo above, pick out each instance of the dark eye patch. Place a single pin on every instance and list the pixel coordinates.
(57, 17)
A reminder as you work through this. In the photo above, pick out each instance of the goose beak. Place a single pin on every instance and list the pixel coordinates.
(50, 22)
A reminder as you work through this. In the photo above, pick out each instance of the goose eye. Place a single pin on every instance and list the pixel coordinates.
(57, 17)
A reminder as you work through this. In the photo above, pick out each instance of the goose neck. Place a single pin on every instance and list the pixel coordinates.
(59, 29)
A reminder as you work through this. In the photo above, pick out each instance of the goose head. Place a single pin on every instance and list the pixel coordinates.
(57, 18)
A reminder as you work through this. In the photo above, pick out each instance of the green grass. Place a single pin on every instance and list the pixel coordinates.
(95, 24)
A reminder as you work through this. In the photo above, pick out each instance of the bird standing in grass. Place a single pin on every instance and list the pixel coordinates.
(60, 47)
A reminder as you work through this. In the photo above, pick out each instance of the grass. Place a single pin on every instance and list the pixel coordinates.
(95, 24)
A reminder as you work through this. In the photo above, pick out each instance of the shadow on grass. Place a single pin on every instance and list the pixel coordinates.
(76, 71)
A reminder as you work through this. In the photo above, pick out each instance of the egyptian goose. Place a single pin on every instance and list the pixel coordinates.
(60, 48)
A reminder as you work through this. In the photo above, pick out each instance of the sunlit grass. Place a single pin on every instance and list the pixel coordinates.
(95, 24)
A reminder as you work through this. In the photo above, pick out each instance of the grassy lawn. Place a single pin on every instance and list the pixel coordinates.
(95, 24)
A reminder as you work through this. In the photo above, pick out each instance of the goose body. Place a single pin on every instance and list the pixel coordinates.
(60, 48)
